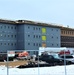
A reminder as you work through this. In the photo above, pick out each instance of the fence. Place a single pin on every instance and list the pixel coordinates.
(11, 63)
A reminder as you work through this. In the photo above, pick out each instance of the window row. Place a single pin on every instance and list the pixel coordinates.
(39, 36)
(66, 37)
(38, 44)
(4, 44)
(35, 28)
(35, 44)
(35, 36)
(54, 37)
(43, 29)
(7, 27)
(13, 36)
(53, 29)
(67, 40)
(67, 45)
(67, 32)
(56, 44)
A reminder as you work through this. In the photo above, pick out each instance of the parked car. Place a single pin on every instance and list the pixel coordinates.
(50, 59)
(53, 59)
(68, 57)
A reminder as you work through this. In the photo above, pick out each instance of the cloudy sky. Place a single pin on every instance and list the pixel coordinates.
(49, 11)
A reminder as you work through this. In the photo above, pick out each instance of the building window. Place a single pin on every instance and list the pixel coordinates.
(28, 27)
(72, 32)
(8, 27)
(15, 27)
(28, 43)
(36, 28)
(52, 36)
(8, 35)
(8, 43)
(15, 44)
(39, 36)
(33, 44)
(11, 44)
(52, 44)
(4, 43)
(15, 36)
(28, 35)
(57, 30)
(39, 28)
(68, 32)
(57, 37)
(62, 32)
(57, 45)
(34, 36)
(33, 28)
(11, 27)
(1, 27)
(11, 35)
(36, 44)
(5, 27)
(39, 45)
(52, 29)
(1, 43)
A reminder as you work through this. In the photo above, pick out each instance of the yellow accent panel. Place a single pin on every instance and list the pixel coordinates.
(43, 30)
(43, 38)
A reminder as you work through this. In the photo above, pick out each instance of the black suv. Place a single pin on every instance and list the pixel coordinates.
(52, 60)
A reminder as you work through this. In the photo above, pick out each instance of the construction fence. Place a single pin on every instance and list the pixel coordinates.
(15, 58)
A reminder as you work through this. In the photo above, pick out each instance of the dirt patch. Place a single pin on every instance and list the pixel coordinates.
(14, 63)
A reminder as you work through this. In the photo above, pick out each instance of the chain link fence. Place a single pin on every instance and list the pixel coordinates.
(13, 59)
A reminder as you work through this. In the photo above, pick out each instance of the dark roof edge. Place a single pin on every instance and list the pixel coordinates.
(7, 21)
(33, 22)
(37, 23)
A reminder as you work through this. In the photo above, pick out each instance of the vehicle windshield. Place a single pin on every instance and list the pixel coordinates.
(56, 56)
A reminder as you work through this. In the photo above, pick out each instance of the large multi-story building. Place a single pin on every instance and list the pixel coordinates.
(28, 35)
(67, 37)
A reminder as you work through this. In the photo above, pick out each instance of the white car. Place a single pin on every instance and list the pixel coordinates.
(68, 57)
